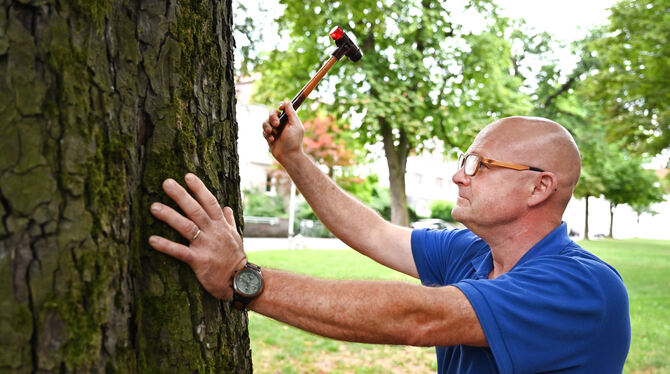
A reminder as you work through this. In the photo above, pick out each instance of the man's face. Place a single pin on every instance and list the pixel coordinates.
(494, 195)
(497, 195)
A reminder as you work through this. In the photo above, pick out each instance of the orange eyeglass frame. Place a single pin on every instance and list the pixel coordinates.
(488, 161)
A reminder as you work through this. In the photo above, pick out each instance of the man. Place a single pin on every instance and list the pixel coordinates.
(511, 294)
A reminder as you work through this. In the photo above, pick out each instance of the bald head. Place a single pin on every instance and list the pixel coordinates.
(537, 142)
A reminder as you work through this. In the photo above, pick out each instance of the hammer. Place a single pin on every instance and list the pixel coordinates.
(345, 47)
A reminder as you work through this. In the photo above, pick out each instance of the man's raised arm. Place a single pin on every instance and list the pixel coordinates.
(355, 224)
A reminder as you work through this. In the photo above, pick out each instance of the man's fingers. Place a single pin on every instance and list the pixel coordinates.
(183, 225)
(288, 108)
(267, 132)
(204, 196)
(170, 248)
(186, 202)
(230, 217)
(273, 119)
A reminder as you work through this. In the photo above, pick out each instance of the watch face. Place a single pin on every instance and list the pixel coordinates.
(248, 283)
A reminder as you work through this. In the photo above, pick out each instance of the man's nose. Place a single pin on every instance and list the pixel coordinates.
(459, 177)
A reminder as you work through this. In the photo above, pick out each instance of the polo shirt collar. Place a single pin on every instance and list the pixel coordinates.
(551, 244)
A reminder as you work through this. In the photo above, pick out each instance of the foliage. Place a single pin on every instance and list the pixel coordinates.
(425, 72)
(558, 96)
(364, 189)
(369, 192)
(442, 209)
(633, 74)
(258, 203)
(596, 155)
(325, 142)
(665, 183)
(629, 184)
(248, 34)
(304, 211)
(607, 169)
(381, 202)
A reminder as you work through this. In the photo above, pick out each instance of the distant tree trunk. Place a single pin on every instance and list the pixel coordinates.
(99, 102)
(612, 207)
(586, 218)
(396, 157)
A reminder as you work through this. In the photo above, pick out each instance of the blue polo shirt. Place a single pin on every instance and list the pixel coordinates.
(559, 309)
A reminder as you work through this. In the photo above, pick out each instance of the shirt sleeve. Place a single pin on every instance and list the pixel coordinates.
(443, 257)
(547, 315)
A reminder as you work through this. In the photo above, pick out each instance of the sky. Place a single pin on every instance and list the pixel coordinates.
(568, 20)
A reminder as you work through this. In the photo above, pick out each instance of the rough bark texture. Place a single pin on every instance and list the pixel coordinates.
(99, 102)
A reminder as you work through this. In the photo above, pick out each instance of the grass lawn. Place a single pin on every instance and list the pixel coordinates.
(278, 348)
(645, 268)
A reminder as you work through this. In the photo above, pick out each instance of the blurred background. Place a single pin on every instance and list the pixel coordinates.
(388, 128)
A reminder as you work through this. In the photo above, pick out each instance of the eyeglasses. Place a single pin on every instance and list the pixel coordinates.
(471, 162)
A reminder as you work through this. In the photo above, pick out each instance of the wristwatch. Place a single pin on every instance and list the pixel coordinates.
(247, 285)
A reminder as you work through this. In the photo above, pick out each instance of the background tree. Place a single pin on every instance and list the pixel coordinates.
(424, 73)
(633, 77)
(607, 168)
(99, 102)
(629, 184)
(559, 96)
(323, 143)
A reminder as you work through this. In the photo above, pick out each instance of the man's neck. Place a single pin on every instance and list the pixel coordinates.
(510, 242)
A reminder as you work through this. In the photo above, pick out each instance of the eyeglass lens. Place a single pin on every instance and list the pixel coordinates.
(470, 162)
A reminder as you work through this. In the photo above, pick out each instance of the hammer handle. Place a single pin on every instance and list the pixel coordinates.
(302, 95)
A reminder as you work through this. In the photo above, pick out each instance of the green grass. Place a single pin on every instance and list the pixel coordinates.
(278, 348)
(645, 268)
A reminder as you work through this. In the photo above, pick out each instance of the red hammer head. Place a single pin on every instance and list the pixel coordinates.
(344, 45)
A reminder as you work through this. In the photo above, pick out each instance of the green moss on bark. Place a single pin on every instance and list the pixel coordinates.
(102, 101)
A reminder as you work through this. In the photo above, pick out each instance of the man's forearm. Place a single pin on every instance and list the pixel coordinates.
(370, 311)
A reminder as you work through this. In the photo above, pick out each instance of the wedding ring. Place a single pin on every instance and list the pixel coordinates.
(196, 235)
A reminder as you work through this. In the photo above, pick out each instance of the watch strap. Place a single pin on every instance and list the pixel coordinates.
(240, 302)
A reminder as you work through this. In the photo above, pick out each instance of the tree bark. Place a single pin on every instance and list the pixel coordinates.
(586, 218)
(101, 101)
(396, 152)
(612, 207)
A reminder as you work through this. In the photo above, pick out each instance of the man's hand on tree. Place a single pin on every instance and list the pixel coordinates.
(216, 249)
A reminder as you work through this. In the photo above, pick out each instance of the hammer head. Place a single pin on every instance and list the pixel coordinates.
(344, 45)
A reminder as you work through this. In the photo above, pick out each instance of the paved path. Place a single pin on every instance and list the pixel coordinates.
(260, 244)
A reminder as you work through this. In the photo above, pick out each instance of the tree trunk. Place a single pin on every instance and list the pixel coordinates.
(99, 102)
(612, 207)
(586, 218)
(396, 151)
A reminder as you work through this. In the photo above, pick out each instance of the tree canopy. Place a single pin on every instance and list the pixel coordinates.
(428, 73)
(633, 73)
(425, 72)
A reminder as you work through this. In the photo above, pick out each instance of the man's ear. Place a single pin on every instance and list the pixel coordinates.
(545, 185)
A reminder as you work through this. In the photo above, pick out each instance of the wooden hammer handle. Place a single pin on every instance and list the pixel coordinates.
(302, 95)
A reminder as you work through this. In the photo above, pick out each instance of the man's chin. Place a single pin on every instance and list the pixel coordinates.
(458, 213)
